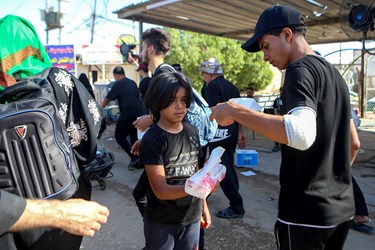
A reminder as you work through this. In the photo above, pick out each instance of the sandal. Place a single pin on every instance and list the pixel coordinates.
(228, 213)
(361, 227)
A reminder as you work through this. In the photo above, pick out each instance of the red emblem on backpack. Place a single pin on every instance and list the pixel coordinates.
(21, 131)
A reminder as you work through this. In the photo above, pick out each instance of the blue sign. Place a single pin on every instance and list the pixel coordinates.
(62, 56)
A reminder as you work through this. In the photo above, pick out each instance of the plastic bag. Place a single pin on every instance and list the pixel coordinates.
(246, 102)
(205, 180)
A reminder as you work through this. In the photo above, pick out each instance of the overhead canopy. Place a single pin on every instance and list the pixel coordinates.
(237, 18)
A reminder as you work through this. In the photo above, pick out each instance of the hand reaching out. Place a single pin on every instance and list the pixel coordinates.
(143, 122)
(136, 147)
(82, 217)
(76, 216)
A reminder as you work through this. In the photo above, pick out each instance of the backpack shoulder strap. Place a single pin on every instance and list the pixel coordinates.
(163, 66)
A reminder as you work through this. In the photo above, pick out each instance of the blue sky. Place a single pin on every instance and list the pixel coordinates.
(77, 24)
(77, 20)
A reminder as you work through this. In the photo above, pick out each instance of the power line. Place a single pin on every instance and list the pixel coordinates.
(19, 6)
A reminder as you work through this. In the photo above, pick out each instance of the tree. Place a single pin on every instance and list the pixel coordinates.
(242, 68)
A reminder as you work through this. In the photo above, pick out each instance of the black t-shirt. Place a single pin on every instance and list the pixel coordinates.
(143, 86)
(217, 91)
(127, 94)
(178, 153)
(316, 183)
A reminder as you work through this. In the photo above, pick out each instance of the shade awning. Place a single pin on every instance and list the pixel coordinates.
(237, 18)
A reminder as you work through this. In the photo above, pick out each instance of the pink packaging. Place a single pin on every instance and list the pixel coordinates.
(205, 180)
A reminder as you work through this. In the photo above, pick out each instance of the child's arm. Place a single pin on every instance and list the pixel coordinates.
(206, 216)
(159, 185)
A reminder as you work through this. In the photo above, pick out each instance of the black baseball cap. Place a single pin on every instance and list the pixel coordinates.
(275, 17)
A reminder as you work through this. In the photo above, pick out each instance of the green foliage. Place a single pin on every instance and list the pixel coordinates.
(241, 68)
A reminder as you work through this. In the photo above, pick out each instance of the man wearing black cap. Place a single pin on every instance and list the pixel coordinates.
(219, 89)
(314, 129)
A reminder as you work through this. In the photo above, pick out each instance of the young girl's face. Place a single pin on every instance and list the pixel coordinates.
(175, 112)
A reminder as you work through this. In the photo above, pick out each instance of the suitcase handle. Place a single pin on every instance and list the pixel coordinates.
(15, 91)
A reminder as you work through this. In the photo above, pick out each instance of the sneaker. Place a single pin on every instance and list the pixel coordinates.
(276, 148)
(134, 165)
(228, 213)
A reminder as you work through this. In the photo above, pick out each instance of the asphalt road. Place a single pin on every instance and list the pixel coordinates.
(124, 229)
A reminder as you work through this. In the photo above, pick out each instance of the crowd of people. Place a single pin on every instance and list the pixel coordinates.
(317, 152)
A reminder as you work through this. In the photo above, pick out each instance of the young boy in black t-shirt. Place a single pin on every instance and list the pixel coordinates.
(169, 151)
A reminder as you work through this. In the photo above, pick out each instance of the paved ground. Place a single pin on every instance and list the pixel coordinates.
(124, 229)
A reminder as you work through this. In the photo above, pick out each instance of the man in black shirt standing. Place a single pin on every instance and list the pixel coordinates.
(219, 89)
(314, 129)
(131, 106)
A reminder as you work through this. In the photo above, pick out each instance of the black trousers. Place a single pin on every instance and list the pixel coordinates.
(296, 237)
(230, 184)
(125, 128)
(359, 200)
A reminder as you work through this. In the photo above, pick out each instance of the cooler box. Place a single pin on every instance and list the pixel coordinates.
(246, 158)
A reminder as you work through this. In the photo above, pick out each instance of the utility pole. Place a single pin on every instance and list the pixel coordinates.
(59, 15)
(92, 31)
(52, 19)
(93, 23)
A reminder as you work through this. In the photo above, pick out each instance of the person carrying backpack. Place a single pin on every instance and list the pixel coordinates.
(23, 58)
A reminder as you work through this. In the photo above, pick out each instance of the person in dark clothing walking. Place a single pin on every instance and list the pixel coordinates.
(85, 80)
(218, 90)
(131, 106)
(361, 212)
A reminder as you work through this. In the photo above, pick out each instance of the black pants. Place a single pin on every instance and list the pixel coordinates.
(295, 237)
(230, 184)
(359, 200)
(140, 192)
(125, 128)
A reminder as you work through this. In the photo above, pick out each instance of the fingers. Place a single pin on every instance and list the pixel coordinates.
(82, 217)
(104, 211)
(136, 147)
(102, 219)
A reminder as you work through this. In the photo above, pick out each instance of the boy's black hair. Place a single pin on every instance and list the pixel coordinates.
(162, 92)
(159, 38)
